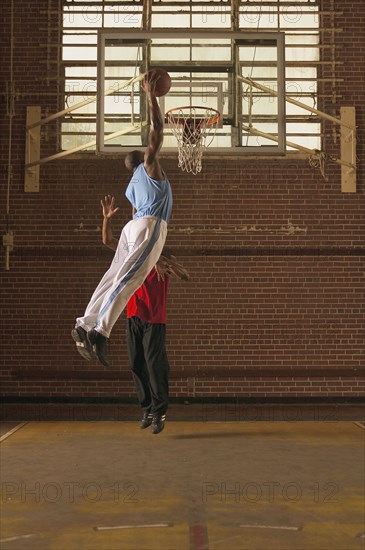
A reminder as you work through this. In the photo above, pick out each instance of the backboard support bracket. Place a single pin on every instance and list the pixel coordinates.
(348, 150)
(32, 150)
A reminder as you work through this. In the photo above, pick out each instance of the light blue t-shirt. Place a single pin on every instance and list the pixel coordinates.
(148, 196)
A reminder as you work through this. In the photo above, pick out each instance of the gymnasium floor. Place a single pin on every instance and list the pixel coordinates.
(199, 485)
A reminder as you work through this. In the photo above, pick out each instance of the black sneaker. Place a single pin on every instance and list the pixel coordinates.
(158, 423)
(83, 345)
(146, 421)
(100, 343)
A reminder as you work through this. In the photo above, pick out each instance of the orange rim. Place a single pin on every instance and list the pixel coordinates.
(181, 120)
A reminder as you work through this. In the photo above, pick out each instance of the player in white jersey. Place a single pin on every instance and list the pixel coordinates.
(140, 244)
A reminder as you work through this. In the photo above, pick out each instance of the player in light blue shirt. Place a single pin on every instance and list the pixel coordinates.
(149, 197)
(140, 244)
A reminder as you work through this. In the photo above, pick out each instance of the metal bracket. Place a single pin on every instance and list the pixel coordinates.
(32, 150)
(348, 150)
(8, 244)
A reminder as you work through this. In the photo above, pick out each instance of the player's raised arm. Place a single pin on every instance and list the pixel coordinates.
(109, 211)
(151, 161)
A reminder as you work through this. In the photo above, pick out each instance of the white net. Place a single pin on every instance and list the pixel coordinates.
(194, 129)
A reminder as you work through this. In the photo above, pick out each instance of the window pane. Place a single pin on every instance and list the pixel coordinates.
(123, 16)
(170, 50)
(79, 54)
(301, 54)
(298, 19)
(251, 18)
(81, 71)
(79, 38)
(176, 19)
(82, 18)
(211, 17)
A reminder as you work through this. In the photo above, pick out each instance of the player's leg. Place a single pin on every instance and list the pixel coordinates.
(85, 323)
(88, 320)
(135, 330)
(158, 369)
(146, 238)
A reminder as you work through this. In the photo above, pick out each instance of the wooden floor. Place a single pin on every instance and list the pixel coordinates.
(71, 485)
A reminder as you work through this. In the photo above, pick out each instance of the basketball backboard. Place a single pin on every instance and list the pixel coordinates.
(204, 67)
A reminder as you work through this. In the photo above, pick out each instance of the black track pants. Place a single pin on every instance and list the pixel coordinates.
(149, 363)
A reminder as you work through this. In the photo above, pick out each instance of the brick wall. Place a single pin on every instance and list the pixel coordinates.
(275, 305)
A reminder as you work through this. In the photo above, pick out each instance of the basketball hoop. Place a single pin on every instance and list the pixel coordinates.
(194, 129)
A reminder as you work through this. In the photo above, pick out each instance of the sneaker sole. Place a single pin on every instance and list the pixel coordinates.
(82, 346)
(146, 426)
(91, 339)
(158, 431)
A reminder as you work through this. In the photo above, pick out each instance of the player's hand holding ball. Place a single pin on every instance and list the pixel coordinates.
(157, 82)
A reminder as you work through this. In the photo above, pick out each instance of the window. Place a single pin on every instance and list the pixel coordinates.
(208, 54)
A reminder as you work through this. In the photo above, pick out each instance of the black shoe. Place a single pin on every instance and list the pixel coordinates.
(100, 343)
(83, 345)
(146, 421)
(158, 423)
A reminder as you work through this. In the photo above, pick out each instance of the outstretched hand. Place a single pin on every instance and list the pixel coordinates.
(170, 267)
(163, 269)
(108, 206)
(149, 84)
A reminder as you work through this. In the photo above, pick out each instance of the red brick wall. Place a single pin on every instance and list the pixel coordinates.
(275, 305)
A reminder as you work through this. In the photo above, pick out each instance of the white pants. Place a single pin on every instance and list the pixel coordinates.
(140, 246)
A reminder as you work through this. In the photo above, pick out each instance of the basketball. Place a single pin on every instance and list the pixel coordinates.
(163, 84)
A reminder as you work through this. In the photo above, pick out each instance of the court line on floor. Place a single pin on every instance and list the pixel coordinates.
(143, 526)
(360, 424)
(9, 539)
(10, 432)
(284, 527)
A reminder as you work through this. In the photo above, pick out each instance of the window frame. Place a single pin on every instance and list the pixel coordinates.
(129, 35)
